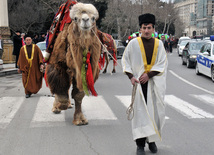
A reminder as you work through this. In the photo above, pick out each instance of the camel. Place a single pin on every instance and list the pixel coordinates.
(75, 48)
(110, 45)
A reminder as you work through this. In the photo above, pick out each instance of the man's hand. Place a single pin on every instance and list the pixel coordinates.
(19, 71)
(42, 68)
(144, 78)
(133, 80)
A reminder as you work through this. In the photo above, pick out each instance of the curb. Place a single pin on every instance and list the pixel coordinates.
(8, 72)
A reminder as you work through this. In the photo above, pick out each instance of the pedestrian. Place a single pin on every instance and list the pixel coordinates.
(17, 44)
(1, 47)
(23, 39)
(35, 39)
(145, 63)
(170, 43)
(31, 65)
(165, 43)
(42, 37)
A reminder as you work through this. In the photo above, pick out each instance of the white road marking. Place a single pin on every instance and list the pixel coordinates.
(96, 108)
(43, 115)
(8, 108)
(205, 98)
(126, 100)
(185, 108)
(184, 80)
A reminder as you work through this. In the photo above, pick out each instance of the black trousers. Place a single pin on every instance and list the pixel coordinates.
(141, 141)
(17, 58)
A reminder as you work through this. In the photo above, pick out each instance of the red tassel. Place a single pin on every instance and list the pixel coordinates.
(103, 61)
(115, 58)
(100, 67)
(89, 76)
(45, 77)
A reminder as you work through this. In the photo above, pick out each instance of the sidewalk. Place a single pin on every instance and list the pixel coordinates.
(8, 69)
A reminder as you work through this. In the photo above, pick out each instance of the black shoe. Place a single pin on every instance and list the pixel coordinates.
(140, 151)
(113, 71)
(104, 71)
(27, 95)
(152, 147)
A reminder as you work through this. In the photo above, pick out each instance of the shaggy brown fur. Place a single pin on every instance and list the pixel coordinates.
(66, 62)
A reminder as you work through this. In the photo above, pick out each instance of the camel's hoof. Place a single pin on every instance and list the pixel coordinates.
(70, 106)
(104, 71)
(56, 111)
(113, 71)
(80, 122)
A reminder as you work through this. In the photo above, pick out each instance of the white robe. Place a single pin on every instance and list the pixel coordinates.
(148, 118)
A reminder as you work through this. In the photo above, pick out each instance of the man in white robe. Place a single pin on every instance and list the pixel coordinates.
(145, 62)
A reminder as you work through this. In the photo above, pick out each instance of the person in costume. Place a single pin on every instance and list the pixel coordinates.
(145, 63)
(31, 66)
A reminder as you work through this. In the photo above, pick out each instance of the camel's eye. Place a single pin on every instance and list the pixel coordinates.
(93, 19)
(75, 19)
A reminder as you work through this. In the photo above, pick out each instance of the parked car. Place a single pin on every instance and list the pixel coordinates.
(120, 48)
(181, 46)
(42, 46)
(179, 41)
(190, 52)
(205, 60)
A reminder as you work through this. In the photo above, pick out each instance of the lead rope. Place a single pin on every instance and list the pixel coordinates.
(130, 109)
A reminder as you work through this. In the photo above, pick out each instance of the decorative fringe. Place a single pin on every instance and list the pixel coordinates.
(89, 77)
(83, 73)
(102, 61)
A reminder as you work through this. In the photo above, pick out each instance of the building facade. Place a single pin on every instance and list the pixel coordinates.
(197, 16)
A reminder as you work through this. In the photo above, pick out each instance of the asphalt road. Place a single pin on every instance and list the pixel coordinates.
(28, 127)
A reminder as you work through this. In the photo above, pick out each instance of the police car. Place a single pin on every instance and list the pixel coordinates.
(205, 60)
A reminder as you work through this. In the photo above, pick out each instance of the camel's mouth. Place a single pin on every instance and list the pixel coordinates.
(85, 28)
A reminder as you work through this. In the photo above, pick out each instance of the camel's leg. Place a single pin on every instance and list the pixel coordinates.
(107, 62)
(79, 118)
(59, 84)
(114, 70)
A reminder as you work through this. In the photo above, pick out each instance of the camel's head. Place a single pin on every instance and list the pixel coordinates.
(84, 15)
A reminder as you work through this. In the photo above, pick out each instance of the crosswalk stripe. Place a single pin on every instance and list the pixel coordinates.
(96, 108)
(185, 108)
(126, 100)
(205, 98)
(43, 114)
(8, 108)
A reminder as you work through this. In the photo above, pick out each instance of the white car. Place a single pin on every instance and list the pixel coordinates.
(205, 60)
(181, 46)
(180, 40)
(42, 46)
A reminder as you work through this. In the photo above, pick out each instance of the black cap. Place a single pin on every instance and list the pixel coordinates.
(27, 35)
(146, 18)
(17, 31)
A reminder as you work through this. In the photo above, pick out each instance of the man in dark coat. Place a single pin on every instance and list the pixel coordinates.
(17, 44)
(165, 43)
